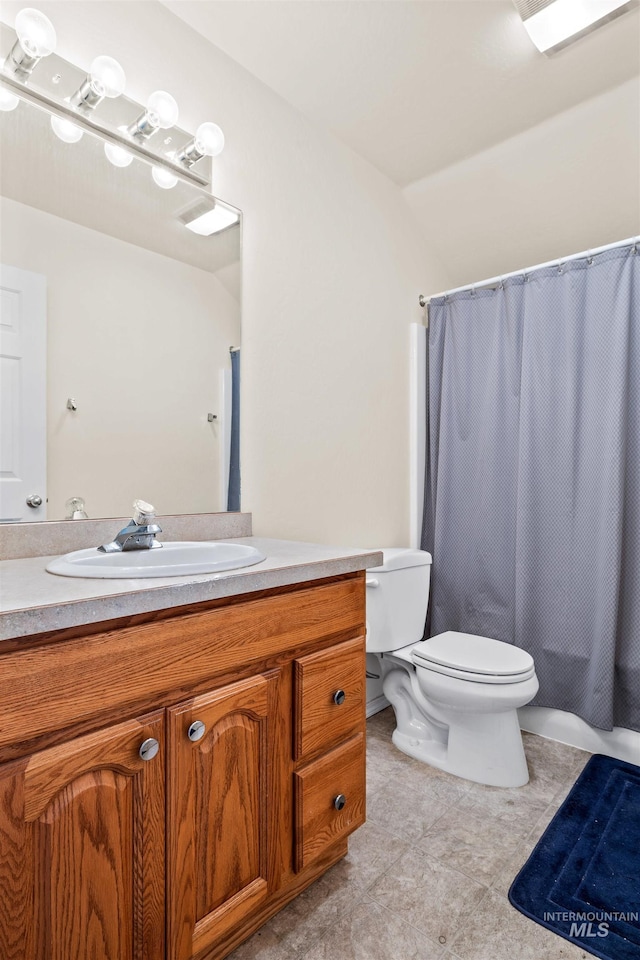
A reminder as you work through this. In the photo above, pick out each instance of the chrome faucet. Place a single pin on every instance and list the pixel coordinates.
(139, 533)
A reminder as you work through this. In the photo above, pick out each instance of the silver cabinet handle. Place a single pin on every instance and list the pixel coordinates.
(148, 749)
(34, 501)
(372, 582)
(196, 730)
(339, 801)
(339, 697)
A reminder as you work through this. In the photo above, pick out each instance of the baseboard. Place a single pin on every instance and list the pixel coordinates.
(376, 705)
(568, 728)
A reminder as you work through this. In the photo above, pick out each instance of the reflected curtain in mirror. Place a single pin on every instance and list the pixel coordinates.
(233, 500)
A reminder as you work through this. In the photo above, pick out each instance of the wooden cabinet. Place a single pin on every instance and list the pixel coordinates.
(330, 688)
(82, 848)
(178, 851)
(330, 799)
(330, 696)
(219, 868)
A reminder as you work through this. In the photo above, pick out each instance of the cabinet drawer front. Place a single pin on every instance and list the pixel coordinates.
(330, 799)
(74, 681)
(330, 696)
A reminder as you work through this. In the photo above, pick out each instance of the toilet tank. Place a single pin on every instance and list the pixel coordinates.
(397, 599)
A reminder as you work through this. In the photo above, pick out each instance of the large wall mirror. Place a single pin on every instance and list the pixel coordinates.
(140, 316)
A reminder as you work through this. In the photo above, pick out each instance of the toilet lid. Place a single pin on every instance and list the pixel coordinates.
(470, 654)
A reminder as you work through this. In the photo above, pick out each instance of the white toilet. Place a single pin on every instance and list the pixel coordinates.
(455, 696)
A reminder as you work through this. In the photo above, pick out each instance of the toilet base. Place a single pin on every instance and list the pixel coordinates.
(463, 728)
(486, 749)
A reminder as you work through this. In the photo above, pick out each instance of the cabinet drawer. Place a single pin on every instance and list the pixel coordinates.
(330, 690)
(320, 788)
(75, 680)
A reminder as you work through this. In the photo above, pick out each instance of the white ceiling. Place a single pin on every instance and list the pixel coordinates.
(414, 86)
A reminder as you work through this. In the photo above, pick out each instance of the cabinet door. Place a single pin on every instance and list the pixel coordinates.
(221, 751)
(82, 849)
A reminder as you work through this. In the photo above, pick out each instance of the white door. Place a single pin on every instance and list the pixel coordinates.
(23, 421)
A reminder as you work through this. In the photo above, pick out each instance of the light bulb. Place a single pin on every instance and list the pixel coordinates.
(36, 33)
(162, 110)
(8, 101)
(107, 77)
(36, 39)
(209, 140)
(116, 155)
(163, 178)
(65, 130)
(161, 114)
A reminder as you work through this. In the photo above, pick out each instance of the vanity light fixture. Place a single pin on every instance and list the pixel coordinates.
(208, 217)
(553, 24)
(161, 114)
(36, 39)
(71, 117)
(208, 142)
(106, 78)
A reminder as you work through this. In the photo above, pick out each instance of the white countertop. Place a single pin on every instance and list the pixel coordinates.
(33, 601)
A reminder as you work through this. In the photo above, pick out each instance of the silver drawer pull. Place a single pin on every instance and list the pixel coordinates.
(148, 749)
(372, 582)
(340, 801)
(196, 731)
(339, 697)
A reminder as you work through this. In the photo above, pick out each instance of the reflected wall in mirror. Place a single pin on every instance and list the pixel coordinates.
(140, 317)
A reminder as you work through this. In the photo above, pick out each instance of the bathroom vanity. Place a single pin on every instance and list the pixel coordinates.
(172, 776)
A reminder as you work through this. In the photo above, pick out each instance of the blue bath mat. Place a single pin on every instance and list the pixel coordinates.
(583, 878)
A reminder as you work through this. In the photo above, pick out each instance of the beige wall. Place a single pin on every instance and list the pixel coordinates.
(138, 340)
(567, 185)
(333, 266)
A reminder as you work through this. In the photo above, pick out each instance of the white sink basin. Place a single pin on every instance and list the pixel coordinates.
(177, 559)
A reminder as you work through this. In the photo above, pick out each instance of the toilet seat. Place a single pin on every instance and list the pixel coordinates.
(469, 657)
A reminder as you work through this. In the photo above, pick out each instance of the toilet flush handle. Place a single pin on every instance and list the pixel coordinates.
(372, 582)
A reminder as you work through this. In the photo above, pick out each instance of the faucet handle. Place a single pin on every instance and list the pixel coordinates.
(143, 513)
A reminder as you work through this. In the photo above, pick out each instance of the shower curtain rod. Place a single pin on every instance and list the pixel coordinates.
(515, 273)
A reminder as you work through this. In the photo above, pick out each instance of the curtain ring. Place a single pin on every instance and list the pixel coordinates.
(589, 260)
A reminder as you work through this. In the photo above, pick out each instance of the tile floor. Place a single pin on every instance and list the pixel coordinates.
(427, 876)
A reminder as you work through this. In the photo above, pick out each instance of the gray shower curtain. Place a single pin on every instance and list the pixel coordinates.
(532, 494)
